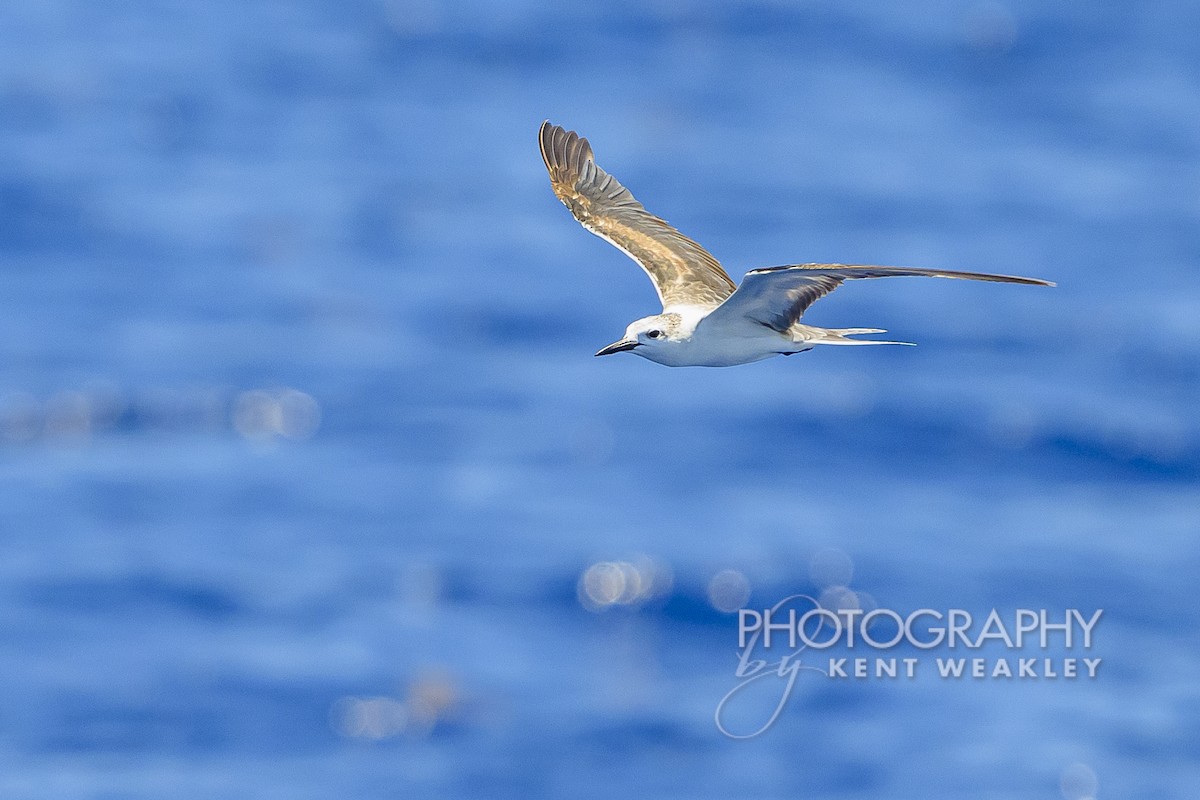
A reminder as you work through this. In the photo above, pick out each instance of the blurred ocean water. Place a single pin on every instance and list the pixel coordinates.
(308, 471)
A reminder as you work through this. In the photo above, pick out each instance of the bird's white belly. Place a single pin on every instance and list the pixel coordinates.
(719, 351)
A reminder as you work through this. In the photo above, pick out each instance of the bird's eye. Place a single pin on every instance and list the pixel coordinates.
(654, 334)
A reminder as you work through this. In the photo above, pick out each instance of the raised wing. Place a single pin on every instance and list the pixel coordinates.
(778, 296)
(684, 273)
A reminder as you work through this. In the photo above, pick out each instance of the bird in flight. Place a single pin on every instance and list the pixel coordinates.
(706, 319)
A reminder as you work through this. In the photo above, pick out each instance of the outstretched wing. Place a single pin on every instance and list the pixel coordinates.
(778, 296)
(684, 273)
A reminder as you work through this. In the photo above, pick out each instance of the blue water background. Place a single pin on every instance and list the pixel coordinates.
(304, 452)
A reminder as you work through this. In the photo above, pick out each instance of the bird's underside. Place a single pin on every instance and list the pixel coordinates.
(707, 320)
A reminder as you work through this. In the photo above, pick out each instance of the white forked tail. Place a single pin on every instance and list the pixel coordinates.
(842, 336)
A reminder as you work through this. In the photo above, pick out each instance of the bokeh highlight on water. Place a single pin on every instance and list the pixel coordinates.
(312, 488)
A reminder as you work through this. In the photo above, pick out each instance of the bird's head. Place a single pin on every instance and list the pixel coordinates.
(648, 334)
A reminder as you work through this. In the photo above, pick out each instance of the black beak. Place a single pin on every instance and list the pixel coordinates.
(617, 347)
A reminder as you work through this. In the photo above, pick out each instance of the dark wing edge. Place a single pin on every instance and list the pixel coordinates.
(855, 271)
(683, 272)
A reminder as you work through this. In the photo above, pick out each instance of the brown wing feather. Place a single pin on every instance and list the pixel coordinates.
(683, 272)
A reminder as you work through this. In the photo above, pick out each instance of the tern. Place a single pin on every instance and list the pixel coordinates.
(706, 319)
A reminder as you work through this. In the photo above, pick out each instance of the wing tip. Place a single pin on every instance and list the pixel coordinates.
(564, 152)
